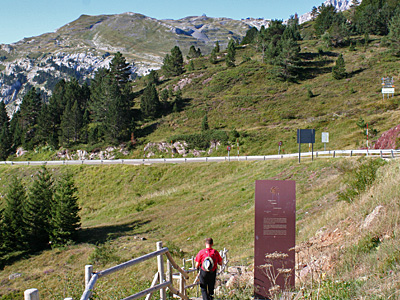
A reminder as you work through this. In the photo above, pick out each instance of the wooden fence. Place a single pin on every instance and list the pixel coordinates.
(161, 282)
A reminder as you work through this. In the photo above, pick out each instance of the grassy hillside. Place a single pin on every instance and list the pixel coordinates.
(265, 111)
(182, 204)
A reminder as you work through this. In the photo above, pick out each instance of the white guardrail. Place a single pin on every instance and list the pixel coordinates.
(385, 153)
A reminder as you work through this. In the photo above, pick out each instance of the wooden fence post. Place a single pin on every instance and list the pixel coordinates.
(160, 263)
(31, 294)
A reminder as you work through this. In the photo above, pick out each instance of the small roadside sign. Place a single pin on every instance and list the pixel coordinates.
(325, 137)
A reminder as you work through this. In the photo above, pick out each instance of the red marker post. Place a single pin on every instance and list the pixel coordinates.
(229, 150)
(279, 149)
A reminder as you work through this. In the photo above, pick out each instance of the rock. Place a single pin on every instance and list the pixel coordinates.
(372, 216)
(20, 152)
(14, 276)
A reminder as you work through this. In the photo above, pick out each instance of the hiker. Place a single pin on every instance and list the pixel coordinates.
(207, 260)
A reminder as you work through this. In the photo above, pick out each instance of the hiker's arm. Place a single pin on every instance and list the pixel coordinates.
(197, 264)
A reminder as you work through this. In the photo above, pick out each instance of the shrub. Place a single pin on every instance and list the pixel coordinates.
(360, 179)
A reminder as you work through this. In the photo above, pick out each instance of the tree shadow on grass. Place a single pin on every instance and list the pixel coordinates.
(101, 234)
(356, 72)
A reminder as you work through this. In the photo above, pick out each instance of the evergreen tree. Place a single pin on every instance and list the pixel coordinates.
(5, 136)
(5, 142)
(193, 52)
(118, 119)
(173, 63)
(213, 57)
(150, 102)
(15, 130)
(325, 18)
(38, 210)
(120, 69)
(230, 56)
(287, 61)
(29, 108)
(14, 228)
(250, 36)
(339, 70)
(204, 123)
(71, 123)
(178, 101)
(217, 47)
(153, 78)
(65, 219)
(394, 34)
(4, 120)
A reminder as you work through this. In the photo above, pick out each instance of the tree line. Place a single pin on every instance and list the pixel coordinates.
(44, 213)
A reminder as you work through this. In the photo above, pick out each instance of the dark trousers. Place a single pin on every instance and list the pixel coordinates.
(207, 284)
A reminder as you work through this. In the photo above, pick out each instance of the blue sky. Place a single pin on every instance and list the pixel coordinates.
(26, 18)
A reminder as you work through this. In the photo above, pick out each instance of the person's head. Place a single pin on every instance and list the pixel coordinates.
(209, 242)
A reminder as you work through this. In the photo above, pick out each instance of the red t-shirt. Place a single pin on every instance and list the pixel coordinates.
(214, 254)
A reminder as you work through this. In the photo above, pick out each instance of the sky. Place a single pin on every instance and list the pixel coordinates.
(27, 18)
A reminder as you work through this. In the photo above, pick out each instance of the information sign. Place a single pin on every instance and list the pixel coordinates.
(275, 233)
(325, 137)
(305, 136)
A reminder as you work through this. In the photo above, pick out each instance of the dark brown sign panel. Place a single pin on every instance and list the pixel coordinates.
(275, 237)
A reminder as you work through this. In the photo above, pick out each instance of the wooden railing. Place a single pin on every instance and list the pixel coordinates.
(161, 282)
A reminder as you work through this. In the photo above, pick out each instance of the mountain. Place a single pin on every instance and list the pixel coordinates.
(340, 5)
(81, 47)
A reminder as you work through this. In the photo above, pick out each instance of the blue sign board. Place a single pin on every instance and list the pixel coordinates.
(305, 136)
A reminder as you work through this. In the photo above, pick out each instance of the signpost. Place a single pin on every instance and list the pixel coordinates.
(279, 149)
(275, 237)
(387, 86)
(325, 139)
(305, 136)
(229, 150)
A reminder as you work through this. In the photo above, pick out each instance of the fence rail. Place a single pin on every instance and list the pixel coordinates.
(384, 153)
(164, 279)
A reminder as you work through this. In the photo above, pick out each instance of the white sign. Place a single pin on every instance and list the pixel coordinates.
(387, 90)
(325, 137)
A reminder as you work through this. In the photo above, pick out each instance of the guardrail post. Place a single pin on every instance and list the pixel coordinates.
(334, 153)
(392, 154)
(160, 263)
(351, 153)
(31, 294)
(381, 155)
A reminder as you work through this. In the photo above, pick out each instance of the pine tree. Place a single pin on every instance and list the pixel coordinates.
(5, 142)
(5, 136)
(65, 219)
(14, 228)
(193, 52)
(339, 70)
(153, 78)
(4, 120)
(394, 34)
(38, 210)
(118, 118)
(30, 108)
(120, 69)
(230, 56)
(204, 124)
(213, 57)
(217, 47)
(287, 60)
(150, 103)
(173, 63)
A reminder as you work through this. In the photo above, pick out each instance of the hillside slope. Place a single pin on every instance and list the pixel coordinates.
(84, 45)
(123, 204)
